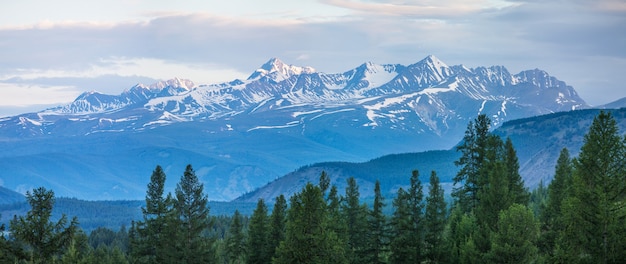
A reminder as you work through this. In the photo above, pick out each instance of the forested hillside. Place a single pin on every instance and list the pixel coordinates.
(579, 217)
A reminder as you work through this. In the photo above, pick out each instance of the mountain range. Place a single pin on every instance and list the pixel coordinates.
(242, 134)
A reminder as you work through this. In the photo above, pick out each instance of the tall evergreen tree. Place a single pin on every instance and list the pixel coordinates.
(278, 220)
(519, 194)
(402, 237)
(258, 235)
(236, 241)
(493, 193)
(355, 216)
(377, 241)
(149, 245)
(595, 212)
(324, 182)
(515, 237)
(193, 219)
(43, 239)
(308, 238)
(435, 221)
(472, 157)
(416, 205)
(461, 230)
(407, 224)
(551, 215)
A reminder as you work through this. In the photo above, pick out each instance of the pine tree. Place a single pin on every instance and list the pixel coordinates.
(402, 237)
(43, 239)
(258, 235)
(377, 240)
(461, 230)
(193, 219)
(493, 193)
(519, 194)
(324, 182)
(236, 241)
(551, 215)
(515, 237)
(595, 212)
(407, 224)
(355, 216)
(308, 238)
(416, 205)
(278, 220)
(149, 244)
(338, 223)
(435, 221)
(472, 157)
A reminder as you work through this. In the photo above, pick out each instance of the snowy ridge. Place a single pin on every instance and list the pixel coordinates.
(425, 96)
(257, 129)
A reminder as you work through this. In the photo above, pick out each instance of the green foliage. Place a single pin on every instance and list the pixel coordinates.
(596, 204)
(473, 153)
(153, 240)
(519, 194)
(192, 221)
(41, 238)
(551, 216)
(434, 221)
(355, 215)
(258, 236)
(308, 238)
(514, 240)
(407, 224)
(375, 250)
(236, 241)
(278, 220)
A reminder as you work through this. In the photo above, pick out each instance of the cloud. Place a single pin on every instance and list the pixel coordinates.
(21, 95)
(424, 9)
(562, 37)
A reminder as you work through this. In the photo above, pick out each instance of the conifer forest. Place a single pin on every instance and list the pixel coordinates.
(489, 217)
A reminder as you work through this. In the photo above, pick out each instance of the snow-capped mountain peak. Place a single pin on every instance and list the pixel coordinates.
(278, 70)
(173, 83)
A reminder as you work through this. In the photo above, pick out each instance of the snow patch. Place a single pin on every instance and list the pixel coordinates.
(297, 114)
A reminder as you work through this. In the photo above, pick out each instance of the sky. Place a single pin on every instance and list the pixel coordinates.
(52, 51)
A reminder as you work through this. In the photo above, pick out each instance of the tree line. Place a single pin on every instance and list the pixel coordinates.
(580, 217)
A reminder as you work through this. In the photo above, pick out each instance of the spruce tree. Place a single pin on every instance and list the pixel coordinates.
(308, 238)
(375, 251)
(515, 237)
(355, 216)
(193, 219)
(435, 221)
(402, 237)
(278, 220)
(551, 215)
(519, 194)
(236, 240)
(416, 205)
(149, 244)
(42, 238)
(258, 235)
(472, 157)
(407, 224)
(595, 211)
(324, 182)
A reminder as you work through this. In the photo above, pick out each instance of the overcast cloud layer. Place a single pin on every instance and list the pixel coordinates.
(52, 53)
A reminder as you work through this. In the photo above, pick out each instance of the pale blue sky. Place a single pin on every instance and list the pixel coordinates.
(53, 50)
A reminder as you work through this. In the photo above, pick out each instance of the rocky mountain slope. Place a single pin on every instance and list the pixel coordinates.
(242, 134)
